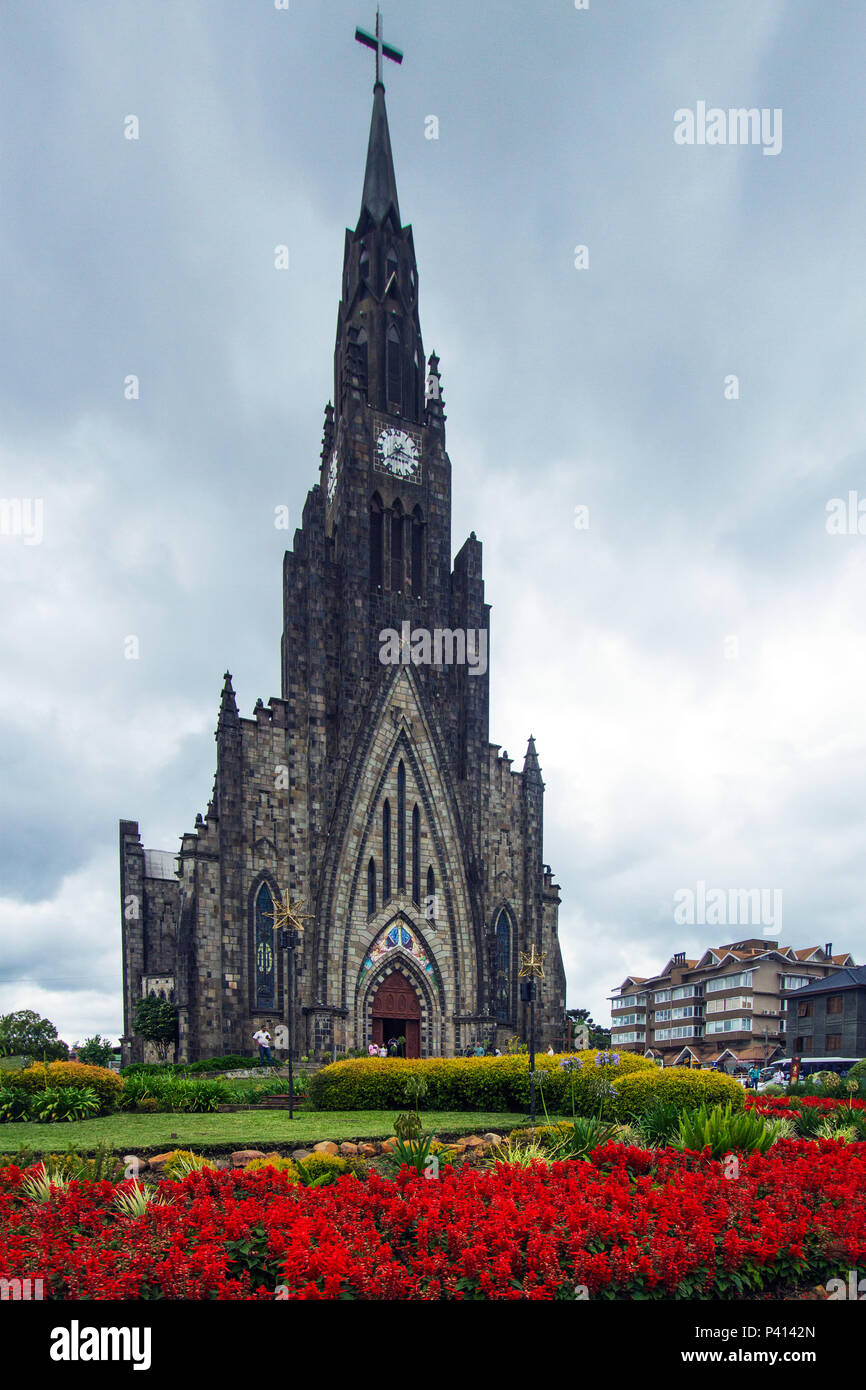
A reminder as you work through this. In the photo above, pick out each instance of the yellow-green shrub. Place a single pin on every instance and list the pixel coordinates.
(275, 1161)
(463, 1083)
(107, 1085)
(331, 1164)
(180, 1162)
(677, 1085)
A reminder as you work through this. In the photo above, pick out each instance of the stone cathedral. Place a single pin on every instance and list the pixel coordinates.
(369, 790)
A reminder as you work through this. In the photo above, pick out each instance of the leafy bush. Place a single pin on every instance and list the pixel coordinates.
(722, 1130)
(327, 1167)
(830, 1082)
(182, 1095)
(14, 1104)
(282, 1165)
(684, 1088)
(230, 1062)
(773, 1090)
(461, 1083)
(659, 1118)
(59, 1104)
(195, 1096)
(40, 1077)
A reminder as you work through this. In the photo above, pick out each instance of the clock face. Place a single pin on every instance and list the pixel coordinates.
(398, 453)
(332, 476)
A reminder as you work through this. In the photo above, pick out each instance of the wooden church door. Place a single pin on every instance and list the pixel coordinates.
(397, 1013)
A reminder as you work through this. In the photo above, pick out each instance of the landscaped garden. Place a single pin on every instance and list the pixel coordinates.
(658, 1184)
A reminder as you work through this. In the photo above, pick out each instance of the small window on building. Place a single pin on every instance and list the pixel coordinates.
(386, 852)
(805, 1008)
(834, 1004)
(834, 1042)
(371, 887)
(394, 370)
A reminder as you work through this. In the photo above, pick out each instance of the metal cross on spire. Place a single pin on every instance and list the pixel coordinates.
(381, 49)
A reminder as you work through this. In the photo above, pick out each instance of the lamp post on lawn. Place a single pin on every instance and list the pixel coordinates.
(288, 919)
(531, 970)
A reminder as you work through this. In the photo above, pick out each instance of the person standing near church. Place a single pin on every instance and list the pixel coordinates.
(263, 1038)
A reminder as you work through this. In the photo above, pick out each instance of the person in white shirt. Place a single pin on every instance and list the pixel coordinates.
(263, 1038)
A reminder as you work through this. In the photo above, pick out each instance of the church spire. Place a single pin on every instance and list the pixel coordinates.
(531, 765)
(228, 715)
(380, 183)
(379, 354)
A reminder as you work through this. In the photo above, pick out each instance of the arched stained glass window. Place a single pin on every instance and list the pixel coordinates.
(502, 980)
(371, 886)
(264, 954)
(386, 852)
(401, 829)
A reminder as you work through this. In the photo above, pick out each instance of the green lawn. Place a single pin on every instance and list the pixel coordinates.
(242, 1129)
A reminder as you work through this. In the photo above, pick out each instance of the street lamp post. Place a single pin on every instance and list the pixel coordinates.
(531, 970)
(288, 919)
(288, 941)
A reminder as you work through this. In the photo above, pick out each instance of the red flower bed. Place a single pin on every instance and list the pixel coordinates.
(631, 1222)
(789, 1105)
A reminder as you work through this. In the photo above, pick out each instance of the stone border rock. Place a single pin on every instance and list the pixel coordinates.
(462, 1147)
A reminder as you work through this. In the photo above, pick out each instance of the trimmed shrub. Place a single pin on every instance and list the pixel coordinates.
(39, 1077)
(685, 1088)
(318, 1164)
(275, 1161)
(467, 1083)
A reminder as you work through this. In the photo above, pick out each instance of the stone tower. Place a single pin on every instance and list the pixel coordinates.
(370, 789)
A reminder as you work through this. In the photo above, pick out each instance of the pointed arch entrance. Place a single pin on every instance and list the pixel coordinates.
(397, 1013)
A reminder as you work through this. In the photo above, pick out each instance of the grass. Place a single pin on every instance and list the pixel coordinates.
(244, 1129)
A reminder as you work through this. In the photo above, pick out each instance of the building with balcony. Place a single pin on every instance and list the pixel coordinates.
(727, 1006)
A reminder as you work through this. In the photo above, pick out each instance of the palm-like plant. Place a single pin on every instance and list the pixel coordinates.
(722, 1131)
(134, 1201)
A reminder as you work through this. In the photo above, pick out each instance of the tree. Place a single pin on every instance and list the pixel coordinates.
(156, 1022)
(598, 1036)
(28, 1033)
(96, 1051)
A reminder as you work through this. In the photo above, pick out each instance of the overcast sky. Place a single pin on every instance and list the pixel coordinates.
(692, 663)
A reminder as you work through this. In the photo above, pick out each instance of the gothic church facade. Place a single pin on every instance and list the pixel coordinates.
(368, 790)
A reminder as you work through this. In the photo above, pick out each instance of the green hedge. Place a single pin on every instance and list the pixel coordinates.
(679, 1085)
(468, 1083)
(39, 1077)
